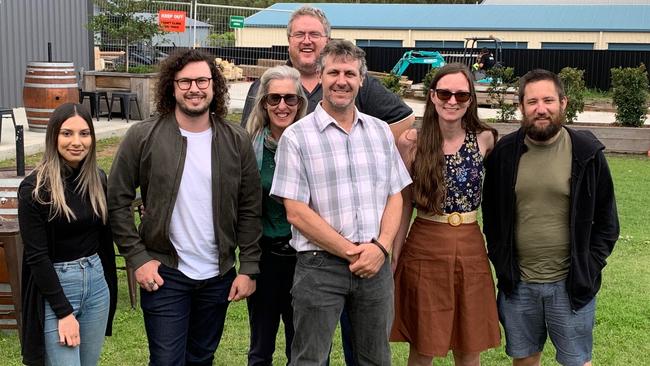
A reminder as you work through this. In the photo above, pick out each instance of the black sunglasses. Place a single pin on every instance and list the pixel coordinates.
(274, 99)
(445, 95)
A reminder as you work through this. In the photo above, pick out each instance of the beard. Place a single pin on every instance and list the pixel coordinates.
(192, 112)
(543, 133)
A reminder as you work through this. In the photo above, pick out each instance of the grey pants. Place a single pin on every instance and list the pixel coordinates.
(322, 285)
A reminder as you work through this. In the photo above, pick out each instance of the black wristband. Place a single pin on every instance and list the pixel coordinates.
(252, 276)
(378, 244)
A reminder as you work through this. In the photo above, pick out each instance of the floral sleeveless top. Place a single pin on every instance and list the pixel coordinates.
(464, 177)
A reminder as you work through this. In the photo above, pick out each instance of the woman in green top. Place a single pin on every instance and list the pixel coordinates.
(280, 102)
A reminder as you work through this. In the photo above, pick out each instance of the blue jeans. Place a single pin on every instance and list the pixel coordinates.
(84, 285)
(184, 318)
(535, 309)
(322, 285)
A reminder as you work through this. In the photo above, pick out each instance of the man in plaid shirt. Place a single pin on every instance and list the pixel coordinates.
(340, 175)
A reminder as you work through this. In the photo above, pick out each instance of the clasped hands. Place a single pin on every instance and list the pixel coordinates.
(365, 259)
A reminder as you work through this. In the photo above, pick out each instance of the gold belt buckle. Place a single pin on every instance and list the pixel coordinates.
(454, 219)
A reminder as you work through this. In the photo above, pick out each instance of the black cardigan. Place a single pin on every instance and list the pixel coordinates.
(594, 226)
(33, 306)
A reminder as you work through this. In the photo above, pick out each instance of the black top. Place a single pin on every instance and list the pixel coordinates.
(76, 239)
(46, 242)
(373, 99)
(488, 61)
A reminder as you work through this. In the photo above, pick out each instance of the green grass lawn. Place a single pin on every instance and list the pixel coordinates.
(621, 336)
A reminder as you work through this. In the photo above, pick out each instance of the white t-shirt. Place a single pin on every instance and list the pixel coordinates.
(192, 230)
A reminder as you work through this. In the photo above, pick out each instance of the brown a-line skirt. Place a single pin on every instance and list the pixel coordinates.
(444, 292)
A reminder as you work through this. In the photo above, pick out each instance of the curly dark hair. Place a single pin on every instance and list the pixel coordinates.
(166, 103)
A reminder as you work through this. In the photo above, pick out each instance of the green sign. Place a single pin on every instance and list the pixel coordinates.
(236, 21)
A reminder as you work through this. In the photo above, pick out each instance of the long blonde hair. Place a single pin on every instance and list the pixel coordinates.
(50, 185)
(259, 117)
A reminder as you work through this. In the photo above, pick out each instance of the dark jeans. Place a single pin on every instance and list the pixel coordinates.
(346, 338)
(270, 303)
(184, 318)
(323, 284)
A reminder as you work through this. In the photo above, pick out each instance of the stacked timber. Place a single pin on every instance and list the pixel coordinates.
(229, 70)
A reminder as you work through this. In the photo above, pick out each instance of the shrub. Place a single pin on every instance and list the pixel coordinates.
(139, 69)
(503, 81)
(426, 82)
(630, 95)
(574, 88)
(226, 39)
(391, 82)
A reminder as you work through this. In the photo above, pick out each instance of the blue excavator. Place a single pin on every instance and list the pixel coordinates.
(432, 58)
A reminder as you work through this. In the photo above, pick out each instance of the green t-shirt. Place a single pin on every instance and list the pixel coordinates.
(274, 217)
(543, 207)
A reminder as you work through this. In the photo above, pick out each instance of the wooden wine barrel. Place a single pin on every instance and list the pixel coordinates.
(9, 198)
(10, 250)
(9, 184)
(47, 86)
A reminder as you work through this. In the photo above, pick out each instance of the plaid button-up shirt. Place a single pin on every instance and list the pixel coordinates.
(345, 177)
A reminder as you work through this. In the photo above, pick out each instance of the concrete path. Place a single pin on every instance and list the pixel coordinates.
(34, 141)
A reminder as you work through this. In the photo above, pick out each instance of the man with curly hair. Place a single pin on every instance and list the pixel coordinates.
(200, 186)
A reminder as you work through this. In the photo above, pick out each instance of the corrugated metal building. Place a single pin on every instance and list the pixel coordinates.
(26, 26)
(620, 27)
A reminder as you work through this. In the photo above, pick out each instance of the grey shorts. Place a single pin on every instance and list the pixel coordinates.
(534, 310)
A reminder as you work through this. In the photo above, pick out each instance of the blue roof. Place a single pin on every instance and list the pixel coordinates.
(577, 18)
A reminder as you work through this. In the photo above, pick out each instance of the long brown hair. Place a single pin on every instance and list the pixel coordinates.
(428, 170)
(50, 186)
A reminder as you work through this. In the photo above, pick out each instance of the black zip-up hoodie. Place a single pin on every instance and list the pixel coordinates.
(594, 226)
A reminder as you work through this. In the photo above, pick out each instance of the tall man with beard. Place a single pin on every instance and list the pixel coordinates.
(550, 222)
(340, 175)
(201, 189)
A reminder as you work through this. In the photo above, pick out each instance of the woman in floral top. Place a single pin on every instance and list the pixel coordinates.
(444, 293)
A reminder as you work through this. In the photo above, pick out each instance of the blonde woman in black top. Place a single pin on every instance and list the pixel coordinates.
(69, 281)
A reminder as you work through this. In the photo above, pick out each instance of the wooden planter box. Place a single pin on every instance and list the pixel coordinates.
(142, 84)
(629, 140)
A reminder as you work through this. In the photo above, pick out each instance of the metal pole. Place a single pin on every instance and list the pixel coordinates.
(194, 26)
(49, 51)
(20, 152)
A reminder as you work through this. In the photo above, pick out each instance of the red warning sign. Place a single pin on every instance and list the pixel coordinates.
(172, 20)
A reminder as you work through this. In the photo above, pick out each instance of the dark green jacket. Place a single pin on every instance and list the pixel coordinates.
(152, 157)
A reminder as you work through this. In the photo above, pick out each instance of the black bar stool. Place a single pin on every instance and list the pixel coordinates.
(125, 99)
(94, 97)
(9, 113)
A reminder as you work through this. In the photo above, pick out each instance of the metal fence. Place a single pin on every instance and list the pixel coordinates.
(596, 63)
(209, 26)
